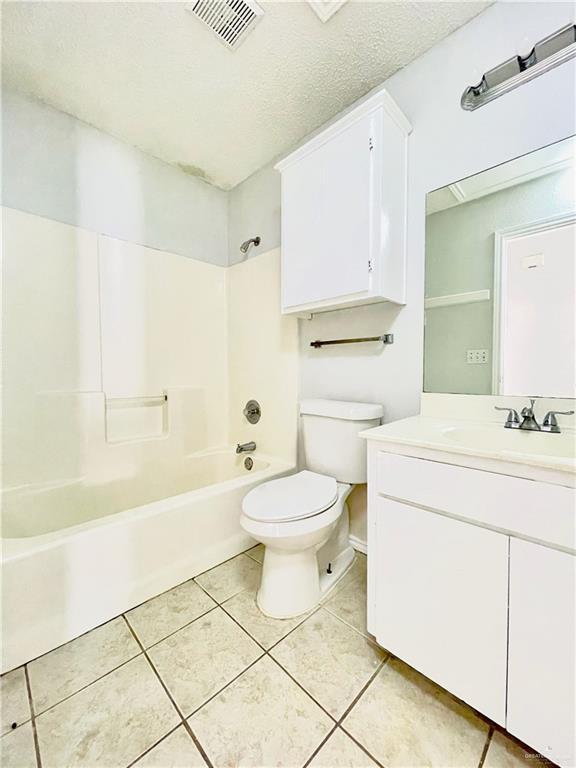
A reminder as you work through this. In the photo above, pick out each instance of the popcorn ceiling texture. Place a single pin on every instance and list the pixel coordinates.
(150, 74)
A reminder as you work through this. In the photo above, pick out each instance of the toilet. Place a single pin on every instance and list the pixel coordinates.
(302, 519)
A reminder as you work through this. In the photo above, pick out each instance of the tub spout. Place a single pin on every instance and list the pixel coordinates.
(245, 447)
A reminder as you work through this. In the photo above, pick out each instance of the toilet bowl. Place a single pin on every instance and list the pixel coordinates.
(302, 520)
(296, 518)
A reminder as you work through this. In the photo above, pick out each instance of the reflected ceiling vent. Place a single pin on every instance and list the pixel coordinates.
(325, 9)
(230, 20)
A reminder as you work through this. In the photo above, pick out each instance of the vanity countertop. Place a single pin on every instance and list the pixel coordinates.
(463, 441)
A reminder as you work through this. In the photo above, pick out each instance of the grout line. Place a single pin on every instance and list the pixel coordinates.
(361, 746)
(220, 690)
(334, 720)
(364, 688)
(83, 688)
(176, 707)
(319, 747)
(33, 718)
(369, 638)
(486, 746)
(171, 634)
(146, 751)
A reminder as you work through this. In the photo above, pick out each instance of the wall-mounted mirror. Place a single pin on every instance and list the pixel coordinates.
(500, 279)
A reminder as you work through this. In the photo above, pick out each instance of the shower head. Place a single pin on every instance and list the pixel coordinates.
(247, 243)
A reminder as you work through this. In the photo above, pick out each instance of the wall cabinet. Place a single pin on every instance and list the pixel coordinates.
(542, 670)
(344, 212)
(472, 581)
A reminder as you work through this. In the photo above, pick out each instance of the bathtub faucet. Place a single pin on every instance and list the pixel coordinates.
(245, 447)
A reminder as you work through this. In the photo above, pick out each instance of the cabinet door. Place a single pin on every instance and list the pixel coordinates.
(329, 221)
(442, 601)
(541, 664)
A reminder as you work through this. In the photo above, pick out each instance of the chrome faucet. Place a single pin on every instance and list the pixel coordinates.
(528, 421)
(512, 420)
(246, 447)
(550, 423)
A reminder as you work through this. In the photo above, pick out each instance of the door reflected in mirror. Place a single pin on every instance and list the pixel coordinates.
(500, 279)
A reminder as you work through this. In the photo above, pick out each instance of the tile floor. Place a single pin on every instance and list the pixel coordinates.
(199, 677)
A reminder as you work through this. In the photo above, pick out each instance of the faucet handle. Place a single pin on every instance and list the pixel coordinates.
(513, 420)
(550, 423)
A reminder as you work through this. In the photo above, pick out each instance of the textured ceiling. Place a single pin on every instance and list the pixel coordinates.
(152, 75)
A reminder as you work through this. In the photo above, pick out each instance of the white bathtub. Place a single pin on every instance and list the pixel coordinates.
(76, 556)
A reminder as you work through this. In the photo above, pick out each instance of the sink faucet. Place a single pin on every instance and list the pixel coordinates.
(529, 422)
(246, 447)
(550, 423)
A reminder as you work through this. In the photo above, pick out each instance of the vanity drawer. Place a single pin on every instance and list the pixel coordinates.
(527, 508)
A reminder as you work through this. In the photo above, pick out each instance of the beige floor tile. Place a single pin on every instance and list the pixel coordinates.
(226, 580)
(14, 706)
(405, 721)
(256, 553)
(328, 658)
(265, 630)
(349, 604)
(162, 615)
(341, 752)
(504, 752)
(262, 719)
(110, 723)
(62, 672)
(175, 751)
(200, 659)
(17, 748)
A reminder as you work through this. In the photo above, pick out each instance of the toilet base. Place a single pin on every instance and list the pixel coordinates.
(294, 582)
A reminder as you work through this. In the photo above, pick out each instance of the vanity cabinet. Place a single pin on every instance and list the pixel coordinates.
(442, 592)
(472, 581)
(344, 212)
(542, 669)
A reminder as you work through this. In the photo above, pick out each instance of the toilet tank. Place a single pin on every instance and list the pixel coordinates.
(330, 437)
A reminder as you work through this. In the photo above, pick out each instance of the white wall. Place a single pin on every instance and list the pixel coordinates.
(58, 167)
(447, 144)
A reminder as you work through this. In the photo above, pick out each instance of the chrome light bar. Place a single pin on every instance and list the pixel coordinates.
(547, 54)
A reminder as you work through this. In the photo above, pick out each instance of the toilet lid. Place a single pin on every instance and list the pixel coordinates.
(290, 498)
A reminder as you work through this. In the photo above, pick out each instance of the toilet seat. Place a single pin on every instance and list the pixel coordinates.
(292, 498)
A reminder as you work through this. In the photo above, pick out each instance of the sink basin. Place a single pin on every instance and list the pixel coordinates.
(513, 442)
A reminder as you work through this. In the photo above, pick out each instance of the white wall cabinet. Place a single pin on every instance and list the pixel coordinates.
(443, 601)
(472, 581)
(344, 212)
(542, 670)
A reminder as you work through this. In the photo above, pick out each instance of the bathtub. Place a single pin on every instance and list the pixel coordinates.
(76, 555)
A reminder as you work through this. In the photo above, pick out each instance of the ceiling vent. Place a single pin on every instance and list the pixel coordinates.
(230, 20)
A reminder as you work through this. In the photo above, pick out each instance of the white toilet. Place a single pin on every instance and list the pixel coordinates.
(302, 520)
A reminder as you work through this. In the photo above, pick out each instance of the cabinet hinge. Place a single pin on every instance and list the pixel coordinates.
(369, 265)
(370, 143)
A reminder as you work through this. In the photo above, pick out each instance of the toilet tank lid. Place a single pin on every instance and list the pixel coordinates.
(341, 409)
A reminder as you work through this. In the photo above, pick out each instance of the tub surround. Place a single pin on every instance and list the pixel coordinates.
(119, 479)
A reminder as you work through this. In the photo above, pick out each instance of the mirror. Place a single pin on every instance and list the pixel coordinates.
(500, 279)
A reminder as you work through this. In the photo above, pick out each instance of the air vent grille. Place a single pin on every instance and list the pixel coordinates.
(230, 20)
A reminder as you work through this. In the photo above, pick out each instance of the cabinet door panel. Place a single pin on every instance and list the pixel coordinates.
(442, 601)
(328, 224)
(541, 666)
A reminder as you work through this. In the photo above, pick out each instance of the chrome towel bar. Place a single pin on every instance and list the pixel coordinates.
(386, 338)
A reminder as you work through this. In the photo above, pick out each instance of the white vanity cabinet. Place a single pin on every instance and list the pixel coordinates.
(472, 581)
(344, 212)
(442, 593)
(542, 669)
